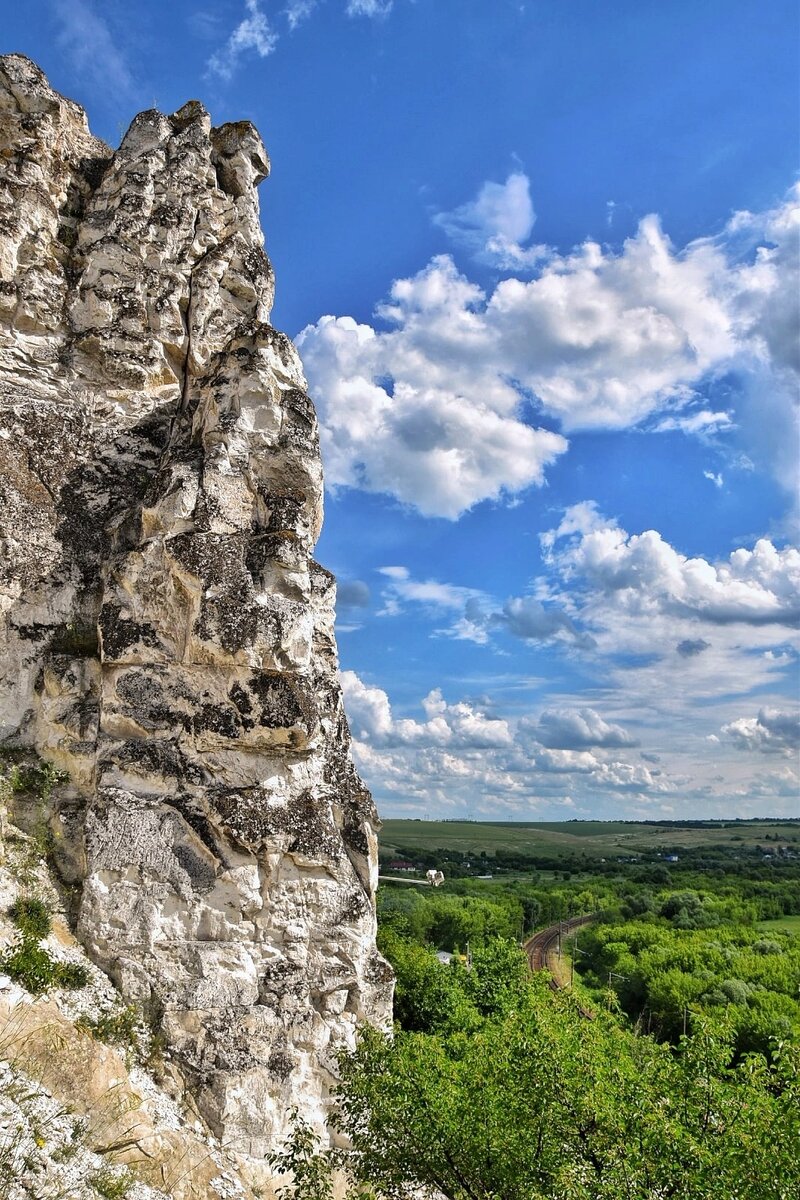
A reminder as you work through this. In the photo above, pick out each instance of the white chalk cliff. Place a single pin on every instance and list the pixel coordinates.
(167, 637)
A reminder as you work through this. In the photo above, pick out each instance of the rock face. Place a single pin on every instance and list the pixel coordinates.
(168, 639)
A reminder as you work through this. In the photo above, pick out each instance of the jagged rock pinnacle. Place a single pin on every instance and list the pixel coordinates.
(168, 638)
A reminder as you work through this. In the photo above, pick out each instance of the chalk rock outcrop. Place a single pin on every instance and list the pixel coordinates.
(167, 637)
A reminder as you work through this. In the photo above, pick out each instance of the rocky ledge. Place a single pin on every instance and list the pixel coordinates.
(168, 641)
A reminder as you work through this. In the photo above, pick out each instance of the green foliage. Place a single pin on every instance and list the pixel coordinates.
(140, 1036)
(450, 922)
(121, 1026)
(112, 1183)
(429, 996)
(30, 964)
(71, 975)
(309, 1166)
(684, 1085)
(35, 777)
(543, 1103)
(31, 915)
(498, 979)
(687, 910)
(665, 974)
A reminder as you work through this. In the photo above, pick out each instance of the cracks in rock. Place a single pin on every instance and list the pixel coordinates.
(186, 362)
(38, 477)
(185, 383)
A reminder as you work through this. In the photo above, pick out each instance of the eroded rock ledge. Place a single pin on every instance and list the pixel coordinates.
(167, 637)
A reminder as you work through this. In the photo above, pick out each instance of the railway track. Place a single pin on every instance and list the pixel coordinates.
(542, 948)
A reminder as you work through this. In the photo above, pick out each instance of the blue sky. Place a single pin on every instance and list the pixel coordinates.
(541, 262)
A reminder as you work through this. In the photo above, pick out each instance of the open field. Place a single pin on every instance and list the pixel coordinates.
(790, 924)
(595, 839)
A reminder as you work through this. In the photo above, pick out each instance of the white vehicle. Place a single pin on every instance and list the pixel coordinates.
(434, 878)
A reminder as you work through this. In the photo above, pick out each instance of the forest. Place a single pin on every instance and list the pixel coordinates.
(669, 1068)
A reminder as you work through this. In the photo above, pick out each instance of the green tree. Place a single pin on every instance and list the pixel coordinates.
(540, 1103)
(429, 996)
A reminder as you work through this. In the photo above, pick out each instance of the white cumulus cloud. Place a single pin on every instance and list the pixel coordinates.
(435, 405)
(528, 618)
(645, 574)
(461, 755)
(458, 726)
(495, 226)
(771, 732)
(457, 758)
(465, 607)
(574, 729)
(413, 411)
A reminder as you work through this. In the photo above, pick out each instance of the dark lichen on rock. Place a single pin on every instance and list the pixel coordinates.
(169, 638)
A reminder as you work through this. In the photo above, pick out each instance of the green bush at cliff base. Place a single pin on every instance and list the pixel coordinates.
(530, 1100)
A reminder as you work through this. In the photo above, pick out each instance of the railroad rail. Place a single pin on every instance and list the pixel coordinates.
(542, 947)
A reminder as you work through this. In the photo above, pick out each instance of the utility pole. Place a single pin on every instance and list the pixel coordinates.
(614, 975)
(575, 951)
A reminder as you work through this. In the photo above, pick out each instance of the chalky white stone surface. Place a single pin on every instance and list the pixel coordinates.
(167, 637)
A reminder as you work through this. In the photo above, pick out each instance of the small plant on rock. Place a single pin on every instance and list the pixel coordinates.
(71, 975)
(308, 1165)
(112, 1184)
(27, 961)
(119, 1027)
(30, 964)
(311, 1167)
(36, 778)
(31, 916)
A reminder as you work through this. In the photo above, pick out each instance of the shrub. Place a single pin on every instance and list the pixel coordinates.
(31, 916)
(36, 778)
(111, 1184)
(71, 975)
(30, 964)
(120, 1027)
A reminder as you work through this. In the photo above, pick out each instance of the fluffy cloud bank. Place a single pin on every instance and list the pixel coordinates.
(644, 575)
(670, 645)
(610, 592)
(675, 635)
(457, 726)
(416, 413)
(462, 757)
(576, 729)
(436, 405)
(771, 732)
